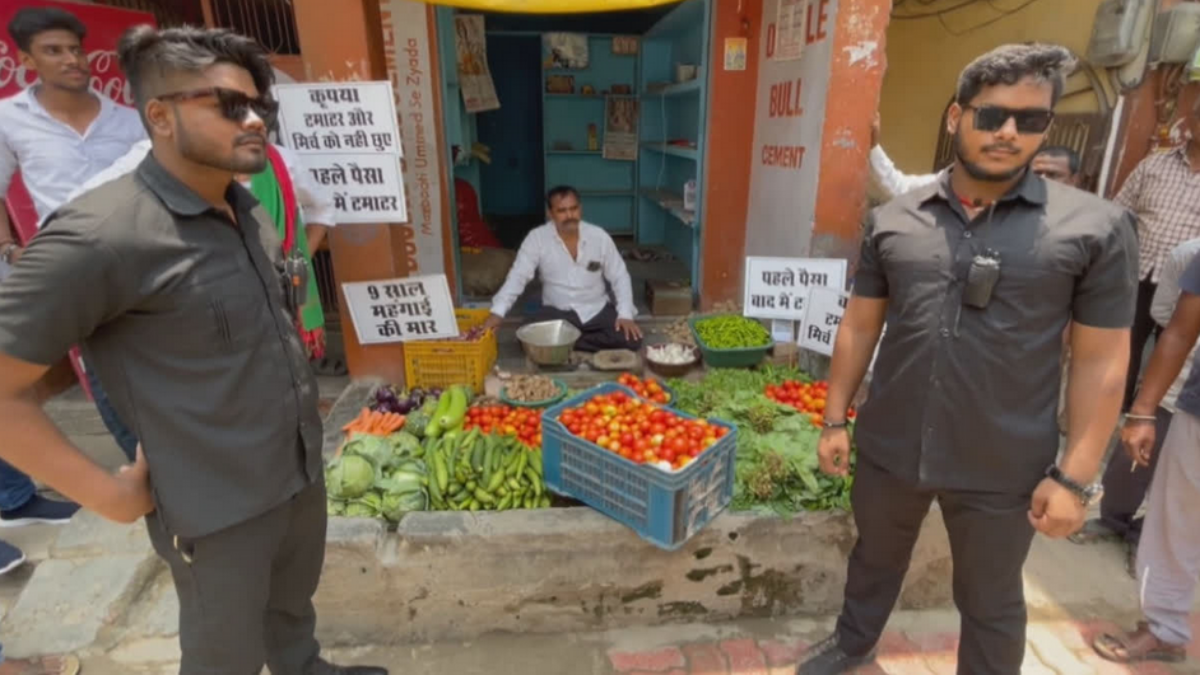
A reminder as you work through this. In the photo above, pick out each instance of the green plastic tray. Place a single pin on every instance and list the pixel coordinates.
(562, 393)
(727, 358)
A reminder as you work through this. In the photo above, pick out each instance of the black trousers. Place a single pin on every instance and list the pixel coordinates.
(599, 333)
(990, 536)
(1125, 490)
(1144, 327)
(245, 593)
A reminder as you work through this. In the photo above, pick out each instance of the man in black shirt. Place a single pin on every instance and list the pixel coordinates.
(977, 276)
(177, 296)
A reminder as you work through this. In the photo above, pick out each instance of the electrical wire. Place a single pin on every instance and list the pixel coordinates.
(1007, 13)
(933, 13)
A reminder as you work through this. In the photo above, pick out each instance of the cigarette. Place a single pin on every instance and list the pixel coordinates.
(1133, 466)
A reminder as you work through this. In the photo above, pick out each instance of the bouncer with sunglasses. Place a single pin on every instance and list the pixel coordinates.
(976, 273)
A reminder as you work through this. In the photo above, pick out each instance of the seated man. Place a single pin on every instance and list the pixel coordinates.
(574, 259)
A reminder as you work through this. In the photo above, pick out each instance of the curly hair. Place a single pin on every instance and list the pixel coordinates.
(151, 58)
(1009, 64)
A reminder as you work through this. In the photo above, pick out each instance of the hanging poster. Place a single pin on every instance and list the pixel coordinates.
(625, 45)
(474, 75)
(407, 31)
(621, 128)
(348, 136)
(339, 117)
(400, 310)
(778, 288)
(789, 40)
(735, 53)
(566, 50)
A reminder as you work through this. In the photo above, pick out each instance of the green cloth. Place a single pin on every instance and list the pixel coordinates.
(265, 187)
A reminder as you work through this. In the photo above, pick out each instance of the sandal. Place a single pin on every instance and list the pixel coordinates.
(1092, 531)
(329, 367)
(1137, 647)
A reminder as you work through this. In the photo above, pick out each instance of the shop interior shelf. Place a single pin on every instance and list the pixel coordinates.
(689, 87)
(672, 203)
(573, 152)
(673, 150)
(590, 97)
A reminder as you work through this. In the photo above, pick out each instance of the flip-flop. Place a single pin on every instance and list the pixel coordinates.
(1137, 647)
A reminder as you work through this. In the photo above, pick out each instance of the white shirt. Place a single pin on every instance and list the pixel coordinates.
(569, 283)
(888, 182)
(1163, 306)
(52, 157)
(315, 203)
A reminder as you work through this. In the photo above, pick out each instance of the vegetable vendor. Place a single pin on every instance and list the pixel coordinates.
(574, 259)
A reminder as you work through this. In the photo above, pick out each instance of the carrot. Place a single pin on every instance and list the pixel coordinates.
(354, 423)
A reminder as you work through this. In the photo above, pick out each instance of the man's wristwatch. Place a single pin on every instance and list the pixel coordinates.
(827, 424)
(1087, 495)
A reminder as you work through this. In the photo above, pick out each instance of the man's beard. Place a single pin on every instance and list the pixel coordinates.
(232, 163)
(978, 172)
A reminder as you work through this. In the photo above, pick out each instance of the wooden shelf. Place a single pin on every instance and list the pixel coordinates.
(574, 152)
(589, 97)
(673, 150)
(689, 87)
(672, 203)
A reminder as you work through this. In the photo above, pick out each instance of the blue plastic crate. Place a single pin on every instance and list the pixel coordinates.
(664, 508)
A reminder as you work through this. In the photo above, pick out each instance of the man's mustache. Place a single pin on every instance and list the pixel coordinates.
(1005, 147)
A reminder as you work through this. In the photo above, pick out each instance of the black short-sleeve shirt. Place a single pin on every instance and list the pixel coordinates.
(965, 398)
(180, 312)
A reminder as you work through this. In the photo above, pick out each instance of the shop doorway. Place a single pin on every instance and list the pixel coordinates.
(612, 104)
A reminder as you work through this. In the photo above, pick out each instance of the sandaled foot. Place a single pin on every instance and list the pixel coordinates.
(1092, 531)
(1137, 647)
(42, 665)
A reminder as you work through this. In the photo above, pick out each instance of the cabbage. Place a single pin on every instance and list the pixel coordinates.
(335, 507)
(349, 476)
(396, 505)
(376, 449)
(373, 500)
(403, 443)
(360, 510)
(401, 482)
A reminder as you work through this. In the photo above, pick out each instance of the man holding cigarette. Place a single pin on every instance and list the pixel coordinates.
(1168, 557)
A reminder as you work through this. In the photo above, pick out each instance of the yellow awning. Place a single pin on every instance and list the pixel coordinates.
(552, 6)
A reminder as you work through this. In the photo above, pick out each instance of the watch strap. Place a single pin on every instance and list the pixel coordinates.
(1055, 474)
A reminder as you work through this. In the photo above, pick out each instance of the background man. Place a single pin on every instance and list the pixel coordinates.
(177, 298)
(1164, 193)
(961, 272)
(1168, 557)
(574, 260)
(1125, 490)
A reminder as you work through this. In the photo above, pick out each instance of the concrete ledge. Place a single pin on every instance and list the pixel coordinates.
(458, 576)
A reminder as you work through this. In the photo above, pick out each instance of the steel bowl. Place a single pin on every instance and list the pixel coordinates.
(671, 369)
(548, 343)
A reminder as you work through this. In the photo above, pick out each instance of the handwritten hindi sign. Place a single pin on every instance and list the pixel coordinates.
(822, 316)
(365, 188)
(401, 310)
(777, 288)
(339, 117)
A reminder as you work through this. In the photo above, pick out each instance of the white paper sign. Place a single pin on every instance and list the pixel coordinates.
(790, 30)
(783, 331)
(401, 310)
(777, 288)
(365, 188)
(822, 316)
(339, 117)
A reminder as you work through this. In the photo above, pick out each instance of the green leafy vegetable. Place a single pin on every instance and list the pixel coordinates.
(349, 477)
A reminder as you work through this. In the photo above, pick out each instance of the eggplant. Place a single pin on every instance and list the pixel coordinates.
(403, 406)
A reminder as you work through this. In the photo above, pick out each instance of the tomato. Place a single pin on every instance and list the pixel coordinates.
(627, 439)
(669, 454)
(679, 445)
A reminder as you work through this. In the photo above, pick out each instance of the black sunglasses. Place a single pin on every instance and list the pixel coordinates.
(234, 104)
(1028, 120)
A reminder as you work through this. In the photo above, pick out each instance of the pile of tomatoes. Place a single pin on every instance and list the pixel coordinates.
(807, 397)
(649, 388)
(641, 431)
(503, 420)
